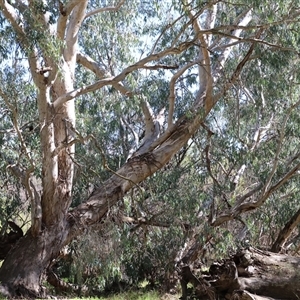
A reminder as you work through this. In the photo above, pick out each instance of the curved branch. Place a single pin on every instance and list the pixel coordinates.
(103, 9)
(286, 232)
(249, 206)
(93, 66)
(114, 80)
(153, 126)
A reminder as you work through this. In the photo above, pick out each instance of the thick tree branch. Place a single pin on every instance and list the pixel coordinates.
(92, 65)
(153, 126)
(211, 19)
(76, 19)
(144, 221)
(65, 11)
(10, 14)
(172, 90)
(135, 170)
(205, 74)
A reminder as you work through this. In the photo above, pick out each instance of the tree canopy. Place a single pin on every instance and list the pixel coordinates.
(153, 126)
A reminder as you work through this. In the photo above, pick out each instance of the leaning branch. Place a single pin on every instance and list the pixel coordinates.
(10, 14)
(153, 125)
(286, 232)
(249, 206)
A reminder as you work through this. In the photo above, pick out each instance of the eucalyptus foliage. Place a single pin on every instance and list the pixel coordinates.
(203, 96)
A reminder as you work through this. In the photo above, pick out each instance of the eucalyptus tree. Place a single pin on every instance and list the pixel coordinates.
(69, 57)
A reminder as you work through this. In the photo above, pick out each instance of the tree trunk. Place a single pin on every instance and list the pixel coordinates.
(22, 270)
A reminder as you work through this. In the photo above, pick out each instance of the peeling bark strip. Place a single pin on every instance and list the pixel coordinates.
(137, 169)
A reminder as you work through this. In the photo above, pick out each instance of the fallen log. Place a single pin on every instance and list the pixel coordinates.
(251, 274)
(244, 295)
(268, 274)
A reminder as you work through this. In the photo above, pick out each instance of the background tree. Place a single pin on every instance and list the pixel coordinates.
(131, 84)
